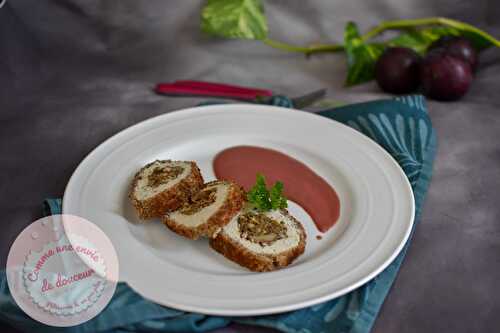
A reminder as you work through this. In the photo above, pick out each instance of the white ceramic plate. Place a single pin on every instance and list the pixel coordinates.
(377, 209)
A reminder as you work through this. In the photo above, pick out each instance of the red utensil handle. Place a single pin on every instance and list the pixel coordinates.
(211, 86)
(173, 89)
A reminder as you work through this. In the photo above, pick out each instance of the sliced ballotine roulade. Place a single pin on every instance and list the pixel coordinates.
(261, 241)
(207, 211)
(163, 186)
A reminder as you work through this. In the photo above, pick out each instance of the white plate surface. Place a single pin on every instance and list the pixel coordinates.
(377, 209)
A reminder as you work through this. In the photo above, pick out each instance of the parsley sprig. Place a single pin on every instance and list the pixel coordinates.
(263, 199)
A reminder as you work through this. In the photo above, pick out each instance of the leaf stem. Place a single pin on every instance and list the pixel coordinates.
(382, 27)
(402, 24)
(315, 48)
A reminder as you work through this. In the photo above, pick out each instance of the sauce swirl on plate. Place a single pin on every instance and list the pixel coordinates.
(302, 185)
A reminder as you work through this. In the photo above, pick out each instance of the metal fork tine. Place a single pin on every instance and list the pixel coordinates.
(308, 99)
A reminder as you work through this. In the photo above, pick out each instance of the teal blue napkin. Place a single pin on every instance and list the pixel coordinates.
(401, 126)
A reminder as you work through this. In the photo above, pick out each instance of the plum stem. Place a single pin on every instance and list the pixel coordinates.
(402, 24)
(379, 29)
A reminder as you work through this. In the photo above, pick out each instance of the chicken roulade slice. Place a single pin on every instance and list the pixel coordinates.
(163, 186)
(207, 211)
(261, 241)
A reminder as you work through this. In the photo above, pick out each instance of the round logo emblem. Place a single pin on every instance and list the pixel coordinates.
(62, 270)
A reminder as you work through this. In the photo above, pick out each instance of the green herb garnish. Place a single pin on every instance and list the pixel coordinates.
(246, 19)
(276, 196)
(263, 199)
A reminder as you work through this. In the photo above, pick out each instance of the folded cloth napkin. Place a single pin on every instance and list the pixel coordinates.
(401, 126)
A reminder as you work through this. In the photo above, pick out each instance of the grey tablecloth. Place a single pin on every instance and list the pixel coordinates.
(74, 72)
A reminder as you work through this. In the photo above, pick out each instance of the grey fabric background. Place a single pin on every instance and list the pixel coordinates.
(74, 72)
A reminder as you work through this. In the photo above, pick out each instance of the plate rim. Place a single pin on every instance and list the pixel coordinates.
(272, 309)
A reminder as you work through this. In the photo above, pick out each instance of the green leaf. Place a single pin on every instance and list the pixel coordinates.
(361, 57)
(234, 19)
(478, 40)
(420, 39)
